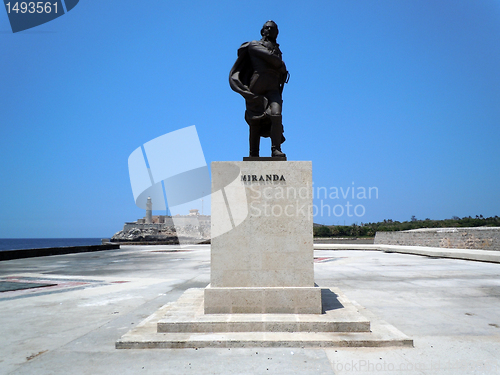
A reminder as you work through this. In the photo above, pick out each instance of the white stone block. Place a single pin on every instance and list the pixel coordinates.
(262, 236)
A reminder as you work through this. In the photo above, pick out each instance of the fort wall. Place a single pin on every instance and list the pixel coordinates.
(483, 238)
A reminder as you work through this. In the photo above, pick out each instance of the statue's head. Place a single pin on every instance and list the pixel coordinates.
(270, 30)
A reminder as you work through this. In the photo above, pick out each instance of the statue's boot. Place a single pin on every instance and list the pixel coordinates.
(276, 136)
(254, 140)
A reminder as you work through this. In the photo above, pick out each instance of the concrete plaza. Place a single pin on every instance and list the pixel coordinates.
(449, 307)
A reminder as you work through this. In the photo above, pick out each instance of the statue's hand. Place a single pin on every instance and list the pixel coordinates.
(257, 104)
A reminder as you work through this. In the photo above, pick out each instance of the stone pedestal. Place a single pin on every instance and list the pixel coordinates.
(262, 291)
(262, 239)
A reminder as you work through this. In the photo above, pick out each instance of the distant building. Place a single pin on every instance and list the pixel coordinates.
(192, 225)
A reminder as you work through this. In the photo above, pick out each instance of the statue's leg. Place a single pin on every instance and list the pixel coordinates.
(254, 140)
(276, 124)
(276, 136)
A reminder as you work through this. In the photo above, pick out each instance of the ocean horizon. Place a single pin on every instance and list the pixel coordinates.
(39, 243)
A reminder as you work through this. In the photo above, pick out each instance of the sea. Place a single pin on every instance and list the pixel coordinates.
(38, 243)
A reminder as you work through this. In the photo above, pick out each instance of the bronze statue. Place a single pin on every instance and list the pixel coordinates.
(259, 75)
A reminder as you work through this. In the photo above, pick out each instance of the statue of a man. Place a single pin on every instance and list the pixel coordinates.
(259, 75)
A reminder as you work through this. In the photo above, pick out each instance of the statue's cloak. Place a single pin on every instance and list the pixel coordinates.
(256, 105)
(241, 73)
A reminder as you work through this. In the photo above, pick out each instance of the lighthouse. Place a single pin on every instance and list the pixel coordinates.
(149, 211)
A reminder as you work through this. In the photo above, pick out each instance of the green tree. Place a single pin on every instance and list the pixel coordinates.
(323, 231)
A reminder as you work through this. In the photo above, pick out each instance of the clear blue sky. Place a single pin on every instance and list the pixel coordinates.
(399, 95)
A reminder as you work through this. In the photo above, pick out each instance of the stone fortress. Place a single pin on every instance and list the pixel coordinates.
(194, 228)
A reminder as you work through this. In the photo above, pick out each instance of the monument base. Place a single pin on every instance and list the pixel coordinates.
(264, 158)
(262, 239)
(263, 300)
(183, 324)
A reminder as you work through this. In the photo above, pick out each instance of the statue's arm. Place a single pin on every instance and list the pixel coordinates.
(258, 50)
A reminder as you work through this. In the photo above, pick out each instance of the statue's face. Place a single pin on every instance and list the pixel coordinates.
(270, 29)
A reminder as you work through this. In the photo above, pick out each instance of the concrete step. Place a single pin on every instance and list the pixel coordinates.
(275, 330)
(261, 340)
(187, 315)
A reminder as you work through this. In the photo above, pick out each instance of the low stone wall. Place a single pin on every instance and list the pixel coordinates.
(484, 238)
(47, 251)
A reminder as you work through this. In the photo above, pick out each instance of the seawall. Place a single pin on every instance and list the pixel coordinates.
(46, 251)
(484, 238)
